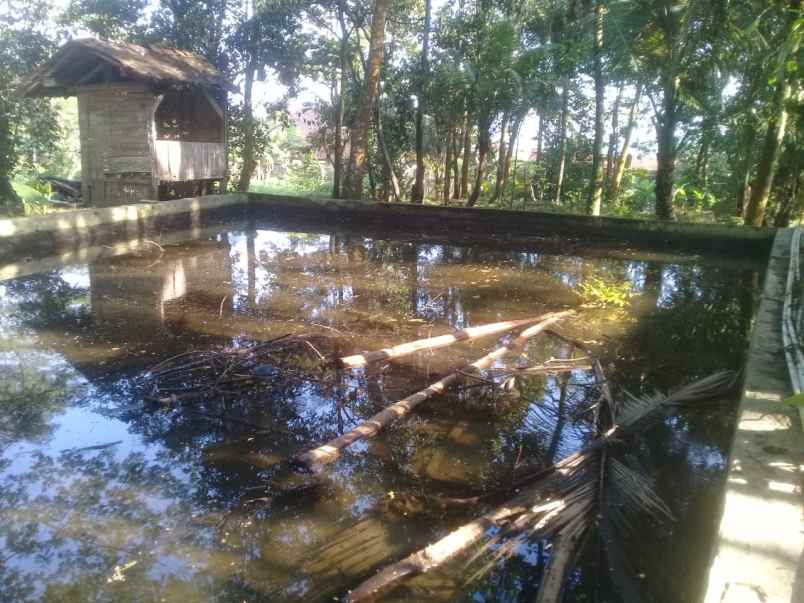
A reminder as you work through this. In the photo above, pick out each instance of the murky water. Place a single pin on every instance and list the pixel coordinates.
(104, 497)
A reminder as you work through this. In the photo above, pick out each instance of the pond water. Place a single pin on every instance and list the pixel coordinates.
(106, 497)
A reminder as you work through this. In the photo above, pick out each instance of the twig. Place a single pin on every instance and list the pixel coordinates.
(315, 349)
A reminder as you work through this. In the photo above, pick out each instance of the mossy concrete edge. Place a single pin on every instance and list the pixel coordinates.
(759, 547)
(39, 236)
(705, 237)
(62, 231)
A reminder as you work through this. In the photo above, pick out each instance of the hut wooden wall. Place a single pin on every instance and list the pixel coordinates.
(117, 164)
(177, 160)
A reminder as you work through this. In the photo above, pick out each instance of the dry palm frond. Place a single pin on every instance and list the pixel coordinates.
(199, 374)
(597, 487)
(636, 411)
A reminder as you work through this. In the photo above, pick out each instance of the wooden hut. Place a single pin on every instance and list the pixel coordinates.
(152, 120)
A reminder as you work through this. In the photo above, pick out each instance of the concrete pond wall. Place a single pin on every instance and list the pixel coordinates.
(757, 555)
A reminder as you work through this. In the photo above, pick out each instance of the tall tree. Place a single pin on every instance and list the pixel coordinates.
(268, 39)
(344, 33)
(25, 124)
(674, 49)
(622, 158)
(562, 143)
(774, 136)
(614, 135)
(360, 130)
(596, 187)
(418, 187)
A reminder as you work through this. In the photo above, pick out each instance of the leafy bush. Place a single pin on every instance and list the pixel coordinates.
(305, 174)
(33, 200)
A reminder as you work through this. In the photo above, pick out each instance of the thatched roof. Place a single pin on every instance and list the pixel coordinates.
(88, 61)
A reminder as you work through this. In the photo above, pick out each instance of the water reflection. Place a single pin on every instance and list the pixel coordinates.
(104, 497)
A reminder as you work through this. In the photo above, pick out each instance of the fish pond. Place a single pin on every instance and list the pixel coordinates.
(107, 495)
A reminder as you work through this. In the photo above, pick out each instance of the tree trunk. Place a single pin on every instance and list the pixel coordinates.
(457, 141)
(388, 166)
(10, 202)
(340, 110)
(539, 138)
(562, 145)
(501, 156)
(251, 258)
(418, 187)
(596, 187)
(619, 170)
(793, 202)
(665, 170)
(509, 150)
(483, 146)
(249, 160)
(743, 192)
(613, 137)
(772, 148)
(467, 156)
(666, 148)
(386, 183)
(702, 160)
(368, 97)
(448, 166)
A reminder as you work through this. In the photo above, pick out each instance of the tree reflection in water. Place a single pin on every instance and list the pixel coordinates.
(192, 503)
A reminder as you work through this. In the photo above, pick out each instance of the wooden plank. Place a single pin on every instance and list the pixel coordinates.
(86, 162)
(126, 164)
(178, 160)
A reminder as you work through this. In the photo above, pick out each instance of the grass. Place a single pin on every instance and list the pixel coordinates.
(282, 187)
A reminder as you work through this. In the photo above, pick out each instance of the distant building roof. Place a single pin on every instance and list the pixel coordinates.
(89, 61)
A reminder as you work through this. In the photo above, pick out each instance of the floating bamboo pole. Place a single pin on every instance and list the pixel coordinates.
(434, 343)
(532, 505)
(330, 451)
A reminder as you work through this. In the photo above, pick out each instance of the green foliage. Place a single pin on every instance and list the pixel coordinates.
(109, 19)
(34, 201)
(305, 173)
(487, 60)
(27, 127)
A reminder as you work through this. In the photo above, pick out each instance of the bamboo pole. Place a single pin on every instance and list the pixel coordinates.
(330, 451)
(434, 343)
(450, 546)
(532, 504)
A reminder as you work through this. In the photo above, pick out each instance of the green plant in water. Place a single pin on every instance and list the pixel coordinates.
(598, 292)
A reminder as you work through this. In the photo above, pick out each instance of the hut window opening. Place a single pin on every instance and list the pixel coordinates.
(188, 115)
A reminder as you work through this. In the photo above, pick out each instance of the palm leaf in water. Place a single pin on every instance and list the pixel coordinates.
(599, 490)
(600, 486)
(640, 411)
